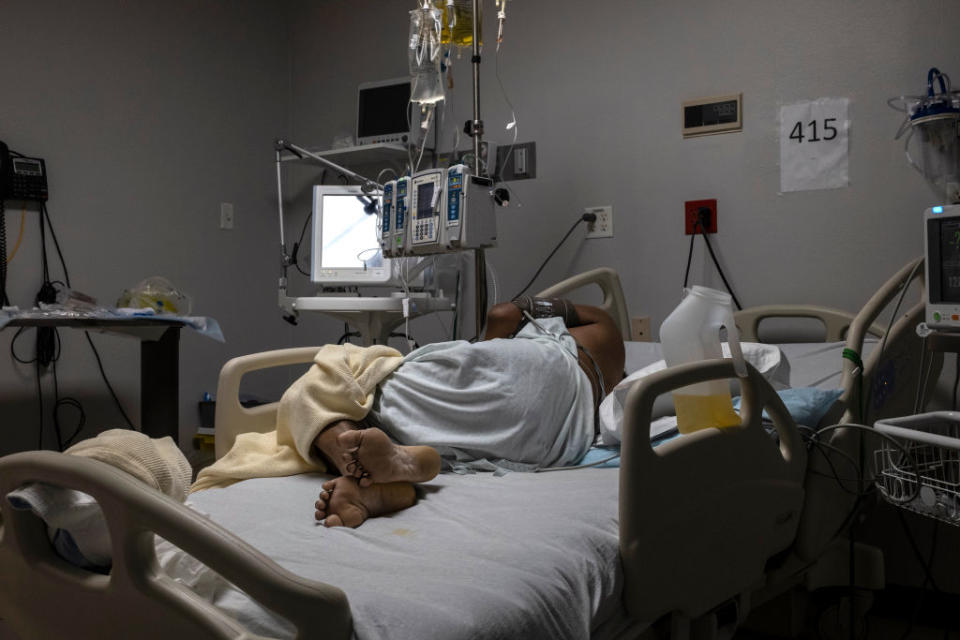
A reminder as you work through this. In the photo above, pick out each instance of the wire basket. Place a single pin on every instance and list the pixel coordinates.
(932, 440)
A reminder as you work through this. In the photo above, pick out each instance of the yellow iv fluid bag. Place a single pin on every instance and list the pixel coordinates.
(691, 333)
(459, 13)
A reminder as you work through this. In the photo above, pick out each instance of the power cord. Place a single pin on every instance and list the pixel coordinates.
(700, 228)
(586, 217)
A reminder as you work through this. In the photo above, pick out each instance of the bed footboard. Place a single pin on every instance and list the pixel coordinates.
(701, 515)
(43, 596)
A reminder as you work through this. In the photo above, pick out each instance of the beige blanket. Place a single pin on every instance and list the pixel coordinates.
(340, 385)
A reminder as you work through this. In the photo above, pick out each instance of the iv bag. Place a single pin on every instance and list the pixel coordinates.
(424, 56)
(458, 22)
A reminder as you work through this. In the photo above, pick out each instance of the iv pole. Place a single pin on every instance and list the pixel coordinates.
(476, 131)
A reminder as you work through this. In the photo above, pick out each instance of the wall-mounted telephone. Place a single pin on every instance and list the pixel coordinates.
(22, 178)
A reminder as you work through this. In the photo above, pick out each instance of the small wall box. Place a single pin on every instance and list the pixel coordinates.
(709, 116)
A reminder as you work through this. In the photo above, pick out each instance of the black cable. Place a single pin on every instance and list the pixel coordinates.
(103, 374)
(296, 245)
(4, 300)
(698, 229)
(56, 244)
(686, 273)
(956, 383)
(96, 354)
(720, 271)
(555, 249)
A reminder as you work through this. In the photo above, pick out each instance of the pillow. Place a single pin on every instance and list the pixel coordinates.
(807, 405)
(768, 359)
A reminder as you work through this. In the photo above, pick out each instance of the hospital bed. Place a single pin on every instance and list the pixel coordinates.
(669, 544)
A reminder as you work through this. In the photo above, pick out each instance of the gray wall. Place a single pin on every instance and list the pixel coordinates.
(149, 114)
(599, 85)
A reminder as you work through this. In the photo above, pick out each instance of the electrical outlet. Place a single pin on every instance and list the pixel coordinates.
(226, 215)
(691, 212)
(602, 227)
(640, 329)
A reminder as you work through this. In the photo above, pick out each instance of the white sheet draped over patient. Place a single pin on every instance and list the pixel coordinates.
(519, 404)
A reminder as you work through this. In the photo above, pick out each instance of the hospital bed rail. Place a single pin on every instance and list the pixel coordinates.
(836, 322)
(43, 596)
(726, 500)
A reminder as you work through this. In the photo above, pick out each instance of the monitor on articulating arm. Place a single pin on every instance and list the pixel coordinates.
(346, 246)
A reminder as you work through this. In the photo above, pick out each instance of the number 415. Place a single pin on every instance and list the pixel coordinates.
(830, 132)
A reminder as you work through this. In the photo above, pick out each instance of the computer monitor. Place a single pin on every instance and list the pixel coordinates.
(346, 245)
(383, 112)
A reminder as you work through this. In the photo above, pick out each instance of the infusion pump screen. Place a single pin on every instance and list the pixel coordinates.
(950, 261)
(349, 234)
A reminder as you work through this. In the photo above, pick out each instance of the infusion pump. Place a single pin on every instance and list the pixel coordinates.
(437, 211)
(941, 233)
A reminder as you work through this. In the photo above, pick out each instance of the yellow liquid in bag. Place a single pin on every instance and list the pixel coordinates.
(695, 412)
(462, 35)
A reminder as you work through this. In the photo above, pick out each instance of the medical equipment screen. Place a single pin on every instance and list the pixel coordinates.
(349, 234)
(383, 110)
(950, 260)
(425, 200)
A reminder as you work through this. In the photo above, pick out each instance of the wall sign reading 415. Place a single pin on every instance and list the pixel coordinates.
(823, 165)
(829, 132)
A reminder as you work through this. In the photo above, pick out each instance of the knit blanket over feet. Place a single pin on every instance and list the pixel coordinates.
(340, 385)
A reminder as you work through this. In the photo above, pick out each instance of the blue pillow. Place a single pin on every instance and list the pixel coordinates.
(807, 405)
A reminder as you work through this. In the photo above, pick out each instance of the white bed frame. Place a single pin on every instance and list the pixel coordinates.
(730, 498)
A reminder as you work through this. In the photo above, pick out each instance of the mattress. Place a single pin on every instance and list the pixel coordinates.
(523, 555)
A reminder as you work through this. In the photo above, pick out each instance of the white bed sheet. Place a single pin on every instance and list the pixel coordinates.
(517, 556)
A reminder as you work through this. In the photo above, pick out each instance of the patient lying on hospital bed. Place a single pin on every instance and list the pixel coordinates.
(543, 385)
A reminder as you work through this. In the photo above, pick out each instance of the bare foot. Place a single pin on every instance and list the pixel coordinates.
(344, 503)
(370, 456)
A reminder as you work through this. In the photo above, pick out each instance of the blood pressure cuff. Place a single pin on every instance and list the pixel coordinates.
(548, 308)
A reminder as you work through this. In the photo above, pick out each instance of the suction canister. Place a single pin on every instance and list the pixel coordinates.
(691, 333)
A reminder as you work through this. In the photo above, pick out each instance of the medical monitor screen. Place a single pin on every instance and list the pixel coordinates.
(425, 200)
(383, 110)
(346, 246)
(950, 260)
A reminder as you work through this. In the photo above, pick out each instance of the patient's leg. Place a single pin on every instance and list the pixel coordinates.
(370, 456)
(344, 503)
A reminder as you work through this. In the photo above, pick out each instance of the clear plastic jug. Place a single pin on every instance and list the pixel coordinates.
(691, 333)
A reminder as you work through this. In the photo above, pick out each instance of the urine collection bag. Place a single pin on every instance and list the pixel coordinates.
(424, 55)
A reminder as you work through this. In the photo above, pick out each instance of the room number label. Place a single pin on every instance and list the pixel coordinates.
(828, 127)
(813, 145)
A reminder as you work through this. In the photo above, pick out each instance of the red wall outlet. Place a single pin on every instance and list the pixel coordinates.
(690, 212)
